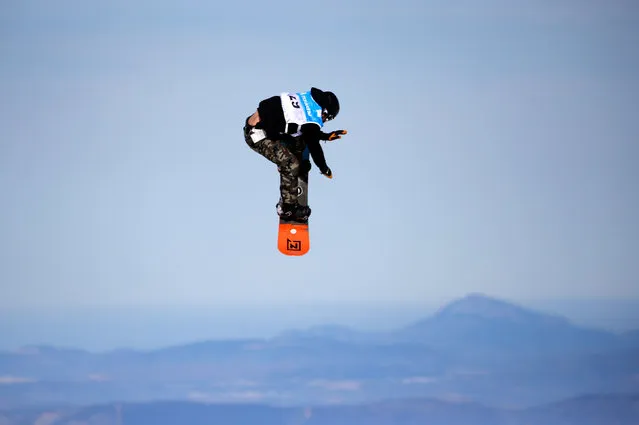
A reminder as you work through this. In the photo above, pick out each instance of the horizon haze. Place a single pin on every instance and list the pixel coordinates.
(109, 328)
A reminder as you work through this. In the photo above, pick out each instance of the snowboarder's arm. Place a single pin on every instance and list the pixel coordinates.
(311, 134)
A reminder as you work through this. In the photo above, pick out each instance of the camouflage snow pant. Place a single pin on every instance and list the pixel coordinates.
(285, 155)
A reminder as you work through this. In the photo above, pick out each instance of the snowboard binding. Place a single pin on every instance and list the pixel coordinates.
(293, 212)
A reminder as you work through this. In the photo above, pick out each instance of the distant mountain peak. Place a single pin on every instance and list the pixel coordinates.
(483, 306)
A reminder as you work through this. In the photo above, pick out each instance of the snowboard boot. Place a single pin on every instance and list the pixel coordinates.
(293, 212)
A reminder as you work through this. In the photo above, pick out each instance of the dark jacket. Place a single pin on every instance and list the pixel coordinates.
(273, 123)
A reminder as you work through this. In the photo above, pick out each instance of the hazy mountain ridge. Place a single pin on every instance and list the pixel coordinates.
(480, 305)
(466, 314)
(469, 314)
(605, 409)
(477, 348)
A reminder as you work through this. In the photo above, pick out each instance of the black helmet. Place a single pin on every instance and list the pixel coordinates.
(328, 101)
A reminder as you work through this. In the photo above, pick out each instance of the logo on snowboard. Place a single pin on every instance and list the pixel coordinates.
(293, 245)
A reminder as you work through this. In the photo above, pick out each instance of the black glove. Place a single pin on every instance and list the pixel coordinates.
(337, 134)
(327, 173)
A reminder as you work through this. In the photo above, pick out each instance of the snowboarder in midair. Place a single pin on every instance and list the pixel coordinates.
(281, 128)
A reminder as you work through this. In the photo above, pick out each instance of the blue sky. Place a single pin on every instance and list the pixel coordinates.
(492, 148)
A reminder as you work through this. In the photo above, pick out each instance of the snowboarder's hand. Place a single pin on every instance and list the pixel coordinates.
(328, 173)
(337, 134)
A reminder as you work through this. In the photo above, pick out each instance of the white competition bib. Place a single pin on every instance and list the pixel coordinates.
(300, 109)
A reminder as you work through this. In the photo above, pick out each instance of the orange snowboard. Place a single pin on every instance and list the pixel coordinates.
(293, 238)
